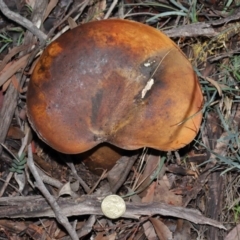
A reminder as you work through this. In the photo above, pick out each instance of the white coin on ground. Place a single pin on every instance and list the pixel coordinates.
(113, 206)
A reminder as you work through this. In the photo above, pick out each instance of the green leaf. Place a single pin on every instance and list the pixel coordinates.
(14, 166)
(19, 171)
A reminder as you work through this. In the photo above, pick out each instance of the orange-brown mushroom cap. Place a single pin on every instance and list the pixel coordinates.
(114, 81)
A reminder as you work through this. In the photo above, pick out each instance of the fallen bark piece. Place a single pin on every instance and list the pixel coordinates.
(37, 206)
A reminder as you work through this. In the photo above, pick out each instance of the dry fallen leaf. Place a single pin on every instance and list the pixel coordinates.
(152, 163)
(71, 22)
(233, 234)
(13, 226)
(163, 194)
(15, 133)
(6, 85)
(11, 68)
(51, 5)
(183, 230)
(16, 84)
(148, 198)
(149, 231)
(36, 232)
(216, 85)
(156, 227)
(65, 190)
(161, 229)
(14, 51)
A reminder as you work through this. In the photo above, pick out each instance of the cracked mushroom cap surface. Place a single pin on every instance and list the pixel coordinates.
(114, 81)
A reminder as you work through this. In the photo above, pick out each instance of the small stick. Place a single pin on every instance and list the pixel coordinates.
(61, 218)
(82, 183)
(114, 3)
(22, 21)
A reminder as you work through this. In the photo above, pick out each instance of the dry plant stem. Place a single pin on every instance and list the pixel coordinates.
(39, 12)
(37, 19)
(228, 54)
(82, 183)
(114, 3)
(22, 21)
(61, 218)
(52, 181)
(121, 9)
(6, 182)
(13, 187)
(98, 181)
(233, 17)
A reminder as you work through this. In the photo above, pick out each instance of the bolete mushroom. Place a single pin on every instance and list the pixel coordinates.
(114, 81)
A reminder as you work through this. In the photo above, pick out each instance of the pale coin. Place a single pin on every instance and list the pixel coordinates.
(113, 206)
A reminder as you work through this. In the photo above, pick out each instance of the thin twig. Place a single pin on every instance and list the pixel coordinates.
(233, 17)
(6, 182)
(114, 3)
(82, 6)
(98, 181)
(61, 218)
(22, 21)
(11, 185)
(52, 181)
(82, 183)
